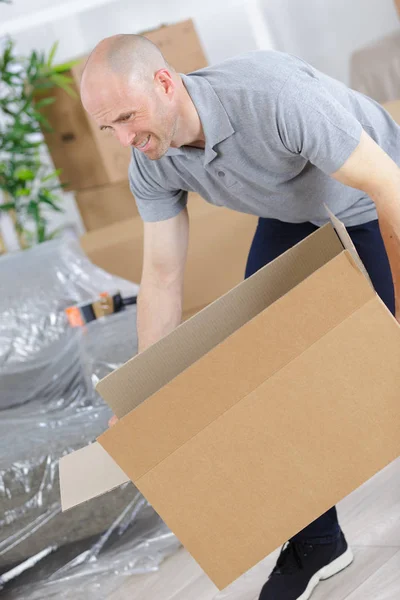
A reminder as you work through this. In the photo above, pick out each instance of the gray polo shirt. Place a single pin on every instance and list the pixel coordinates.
(275, 129)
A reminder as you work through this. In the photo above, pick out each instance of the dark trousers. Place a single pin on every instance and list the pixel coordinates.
(271, 239)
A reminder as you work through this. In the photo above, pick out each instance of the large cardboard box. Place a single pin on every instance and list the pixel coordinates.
(105, 205)
(259, 413)
(219, 243)
(87, 156)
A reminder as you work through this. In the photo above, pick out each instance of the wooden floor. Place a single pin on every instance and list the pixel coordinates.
(370, 518)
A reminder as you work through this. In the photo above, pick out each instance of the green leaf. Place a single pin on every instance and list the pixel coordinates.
(59, 78)
(43, 84)
(24, 174)
(52, 54)
(8, 206)
(51, 203)
(55, 173)
(54, 233)
(45, 122)
(33, 58)
(22, 192)
(64, 82)
(70, 91)
(44, 102)
(41, 230)
(67, 66)
(33, 209)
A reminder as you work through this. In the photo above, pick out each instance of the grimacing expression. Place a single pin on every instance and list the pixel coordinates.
(145, 119)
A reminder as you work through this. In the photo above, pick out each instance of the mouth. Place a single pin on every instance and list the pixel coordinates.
(143, 145)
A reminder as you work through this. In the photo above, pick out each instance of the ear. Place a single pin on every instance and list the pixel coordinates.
(164, 81)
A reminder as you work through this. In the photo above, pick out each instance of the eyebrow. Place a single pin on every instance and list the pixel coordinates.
(118, 119)
(123, 115)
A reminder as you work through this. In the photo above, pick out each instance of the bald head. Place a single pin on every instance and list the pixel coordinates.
(127, 56)
(129, 90)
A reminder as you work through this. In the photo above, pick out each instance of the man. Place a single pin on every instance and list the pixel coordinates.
(265, 134)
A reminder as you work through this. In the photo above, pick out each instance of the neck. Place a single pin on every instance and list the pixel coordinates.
(189, 131)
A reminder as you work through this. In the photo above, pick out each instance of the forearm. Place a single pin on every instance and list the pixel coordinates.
(390, 229)
(159, 311)
(388, 207)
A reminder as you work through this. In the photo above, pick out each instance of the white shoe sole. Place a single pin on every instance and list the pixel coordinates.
(334, 567)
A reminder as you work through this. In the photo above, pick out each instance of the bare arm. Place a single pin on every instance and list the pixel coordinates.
(371, 170)
(161, 288)
(159, 307)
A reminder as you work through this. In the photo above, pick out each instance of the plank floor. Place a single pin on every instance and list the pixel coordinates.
(370, 518)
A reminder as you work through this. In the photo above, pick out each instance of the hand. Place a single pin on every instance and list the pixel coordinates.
(112, 421)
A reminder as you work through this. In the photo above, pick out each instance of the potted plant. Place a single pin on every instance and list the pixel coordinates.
(29, 184)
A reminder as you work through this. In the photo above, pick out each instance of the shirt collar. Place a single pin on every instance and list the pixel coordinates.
(216, 124)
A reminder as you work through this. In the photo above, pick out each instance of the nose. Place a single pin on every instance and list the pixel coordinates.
(125, 137)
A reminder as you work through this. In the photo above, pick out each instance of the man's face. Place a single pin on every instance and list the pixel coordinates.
(139, 115)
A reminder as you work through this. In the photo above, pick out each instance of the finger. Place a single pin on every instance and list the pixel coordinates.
(112, 421)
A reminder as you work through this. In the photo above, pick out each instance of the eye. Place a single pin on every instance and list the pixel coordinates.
(125, 117)
(105, 128)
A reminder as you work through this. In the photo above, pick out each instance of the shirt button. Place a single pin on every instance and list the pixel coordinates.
(221, 173)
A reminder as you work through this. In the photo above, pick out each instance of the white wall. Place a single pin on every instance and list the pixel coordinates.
(224, 26)
(326, 32)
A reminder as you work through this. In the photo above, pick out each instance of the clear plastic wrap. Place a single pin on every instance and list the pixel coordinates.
(48, 407)
(37, 285)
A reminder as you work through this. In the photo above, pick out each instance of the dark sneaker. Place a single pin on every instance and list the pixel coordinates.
(301, 566)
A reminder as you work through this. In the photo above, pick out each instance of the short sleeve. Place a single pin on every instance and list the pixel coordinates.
(313, 124)
(154, 202)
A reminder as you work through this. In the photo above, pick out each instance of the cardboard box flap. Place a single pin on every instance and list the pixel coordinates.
(87, 473)
(142, 376)
(347, 242)
(230, 371)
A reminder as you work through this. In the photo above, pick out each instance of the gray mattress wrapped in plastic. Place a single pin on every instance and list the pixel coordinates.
(48, 407)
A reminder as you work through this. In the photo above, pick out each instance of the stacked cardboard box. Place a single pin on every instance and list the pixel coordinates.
(106, 204)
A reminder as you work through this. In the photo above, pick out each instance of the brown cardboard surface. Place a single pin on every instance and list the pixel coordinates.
(87, 156)
(117, 248)
(219, 243)
(347, 242)
(286, 453)
(290, 406)
(103, 475)
(180, 45)
(393, 109)
(234, 368)
(105, 205)
(157, 365)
